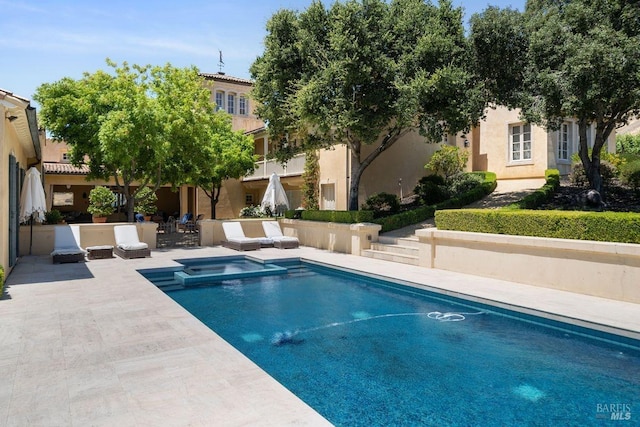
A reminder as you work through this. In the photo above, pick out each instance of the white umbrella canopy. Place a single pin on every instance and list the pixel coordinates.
(275, 197)
(33, 203)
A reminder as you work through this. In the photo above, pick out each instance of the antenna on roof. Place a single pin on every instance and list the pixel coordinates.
(220, 64)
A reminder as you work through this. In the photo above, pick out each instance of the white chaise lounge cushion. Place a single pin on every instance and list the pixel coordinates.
(273, 231)
(127, 238)
(66, 240)
(234, 233)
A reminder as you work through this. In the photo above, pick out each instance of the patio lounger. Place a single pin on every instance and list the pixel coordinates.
(66, 246)
(128, 245)
(273, 231)
(235, 238)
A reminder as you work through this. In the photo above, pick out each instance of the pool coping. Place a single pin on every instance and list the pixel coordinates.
(96, 343)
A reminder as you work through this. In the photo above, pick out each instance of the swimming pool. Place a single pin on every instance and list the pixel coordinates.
(363, 351)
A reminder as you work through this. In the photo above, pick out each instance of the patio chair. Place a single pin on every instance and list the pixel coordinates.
(185, 222)
(235, 238)
(66, 244)
(128, 245)
(273, 231)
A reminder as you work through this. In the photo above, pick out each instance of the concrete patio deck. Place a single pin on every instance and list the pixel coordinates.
(96, 344)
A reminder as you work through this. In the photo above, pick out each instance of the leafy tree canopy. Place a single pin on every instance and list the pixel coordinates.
(364, 73)
(141, 125)
(565, 59)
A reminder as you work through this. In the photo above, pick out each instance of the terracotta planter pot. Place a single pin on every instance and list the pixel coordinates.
(99, 219)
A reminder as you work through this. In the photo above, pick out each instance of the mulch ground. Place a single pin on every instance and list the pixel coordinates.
(617, 199)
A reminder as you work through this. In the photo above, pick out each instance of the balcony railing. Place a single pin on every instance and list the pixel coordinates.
(264, 168)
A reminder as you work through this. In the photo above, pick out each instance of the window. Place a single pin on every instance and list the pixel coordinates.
(248, 199)
(231, 103)
(219, 101)
(520, 142)
(564, 141)
(242, 106)
(66, 157)
(63, 199)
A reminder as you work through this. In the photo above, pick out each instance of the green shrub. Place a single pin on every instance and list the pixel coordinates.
(628, 144)
(382, 204)
(101, 201)
(346, 217)
(1, 280)
(423, 213)
(541, 195)
(463, 182)
(620, 227)
(146, 201)
(251, 212)
(431, 189)
(607, 171)
(448, 161)
(630, 174)
(53, 216)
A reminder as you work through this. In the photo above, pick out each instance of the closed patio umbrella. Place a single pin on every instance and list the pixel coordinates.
(274, 197)
(33, 203)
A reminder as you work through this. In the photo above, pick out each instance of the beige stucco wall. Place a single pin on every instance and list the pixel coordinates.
(602, 269)
(22, 150)
(90, 235)
(492, 147)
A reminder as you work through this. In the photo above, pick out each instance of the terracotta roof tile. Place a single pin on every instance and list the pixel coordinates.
(225, 78)
(65, 169)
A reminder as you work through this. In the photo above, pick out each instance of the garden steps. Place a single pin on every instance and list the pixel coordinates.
(400, 250)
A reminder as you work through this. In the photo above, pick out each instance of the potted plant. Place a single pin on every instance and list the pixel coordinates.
(101, 203)
(53, 217)
(146, 202)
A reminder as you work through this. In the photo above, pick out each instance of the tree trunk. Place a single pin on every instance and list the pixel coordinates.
(354, 187)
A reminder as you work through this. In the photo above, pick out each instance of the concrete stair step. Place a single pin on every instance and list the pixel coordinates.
(399, 248)
(390, 256)
(404, 241)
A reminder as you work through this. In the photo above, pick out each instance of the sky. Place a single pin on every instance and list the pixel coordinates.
(42, 41)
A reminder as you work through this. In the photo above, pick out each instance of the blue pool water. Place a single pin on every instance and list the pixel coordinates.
(365, 352)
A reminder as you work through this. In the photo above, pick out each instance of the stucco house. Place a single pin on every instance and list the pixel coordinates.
(20, 141)
(501, 143)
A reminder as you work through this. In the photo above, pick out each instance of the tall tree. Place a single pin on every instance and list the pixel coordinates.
(230, 155)
(364, 73)
(581, 60)
(140, 125)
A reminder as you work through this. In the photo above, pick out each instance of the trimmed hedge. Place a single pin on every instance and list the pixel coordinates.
(403, 219)
(622, 227)
(345, 217)
(541, 195)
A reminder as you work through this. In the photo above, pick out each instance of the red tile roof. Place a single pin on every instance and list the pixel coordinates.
(225, 78)
(65, 169)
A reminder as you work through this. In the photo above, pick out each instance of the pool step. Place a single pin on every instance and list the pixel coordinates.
(403, 251)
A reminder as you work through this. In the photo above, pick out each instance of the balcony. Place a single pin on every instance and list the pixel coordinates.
(264, 168)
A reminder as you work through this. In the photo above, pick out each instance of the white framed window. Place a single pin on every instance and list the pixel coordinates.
(242, 105)
(231, 103)
(564, 141)
(66, 157)
(520, 143)
(219, 101)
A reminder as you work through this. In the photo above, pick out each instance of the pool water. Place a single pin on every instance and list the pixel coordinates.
(362, 351)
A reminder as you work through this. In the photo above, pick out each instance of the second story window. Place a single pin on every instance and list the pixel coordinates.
(231, 103)
(66, 157)
(219, 101)
(242, 106)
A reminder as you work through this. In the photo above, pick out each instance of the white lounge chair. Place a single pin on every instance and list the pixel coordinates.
(66, 244)
(235, 238)
(273, 231)
(128, 245)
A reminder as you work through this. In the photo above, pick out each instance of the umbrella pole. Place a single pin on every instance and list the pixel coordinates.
(31, 234)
